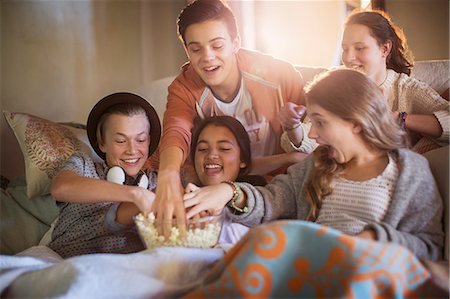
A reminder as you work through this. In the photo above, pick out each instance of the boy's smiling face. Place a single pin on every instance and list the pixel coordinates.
(212, 54)
(126, 142)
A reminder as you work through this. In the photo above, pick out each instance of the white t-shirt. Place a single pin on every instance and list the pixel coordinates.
(262, 137)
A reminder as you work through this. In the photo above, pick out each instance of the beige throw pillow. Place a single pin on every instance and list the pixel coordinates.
(45, 146)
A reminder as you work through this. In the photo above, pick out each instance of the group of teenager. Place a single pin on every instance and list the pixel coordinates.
(262, 146)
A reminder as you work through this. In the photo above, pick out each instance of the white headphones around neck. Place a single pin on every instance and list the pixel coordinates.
(117, 175)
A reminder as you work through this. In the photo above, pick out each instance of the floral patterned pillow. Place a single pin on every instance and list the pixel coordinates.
(45, 146)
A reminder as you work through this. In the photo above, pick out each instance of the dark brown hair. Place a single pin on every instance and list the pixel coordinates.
(205, 10)
(383, 29)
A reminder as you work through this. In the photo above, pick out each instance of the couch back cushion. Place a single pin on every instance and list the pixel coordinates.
(309, 72)
(435, 73)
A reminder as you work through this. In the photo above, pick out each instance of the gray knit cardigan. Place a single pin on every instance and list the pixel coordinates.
(414, 217)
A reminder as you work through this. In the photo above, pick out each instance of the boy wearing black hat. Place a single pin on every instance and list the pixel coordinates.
(96, 213)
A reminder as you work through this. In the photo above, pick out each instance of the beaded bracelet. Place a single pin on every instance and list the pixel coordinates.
(402, 119)
(293, 128)
(237, 194)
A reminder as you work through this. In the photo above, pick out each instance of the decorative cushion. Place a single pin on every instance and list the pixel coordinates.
(45, 146)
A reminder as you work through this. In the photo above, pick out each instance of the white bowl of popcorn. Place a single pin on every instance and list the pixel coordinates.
(201, 232)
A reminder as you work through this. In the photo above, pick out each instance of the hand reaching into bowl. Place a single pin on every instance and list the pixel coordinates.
(211, 199)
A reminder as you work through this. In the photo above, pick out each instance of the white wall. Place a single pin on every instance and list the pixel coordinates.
(309, 32)
(425, 24)
(301, 32)
(58, 58)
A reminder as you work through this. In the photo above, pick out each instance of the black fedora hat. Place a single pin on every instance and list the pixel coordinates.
(122, 98)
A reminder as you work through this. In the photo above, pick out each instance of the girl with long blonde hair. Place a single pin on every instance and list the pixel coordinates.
(362, 179)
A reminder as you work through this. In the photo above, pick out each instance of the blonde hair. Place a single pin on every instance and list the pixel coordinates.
(127, 109)
(353, 97)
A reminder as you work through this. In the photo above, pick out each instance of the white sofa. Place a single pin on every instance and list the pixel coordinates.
(433, 72)
(34, 224)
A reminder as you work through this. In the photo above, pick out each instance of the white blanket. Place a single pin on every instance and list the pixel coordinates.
(163, 273)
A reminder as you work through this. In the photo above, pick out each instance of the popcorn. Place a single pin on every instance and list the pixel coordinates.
(204, 237)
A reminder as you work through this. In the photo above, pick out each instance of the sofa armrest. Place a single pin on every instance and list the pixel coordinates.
(438, 160)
